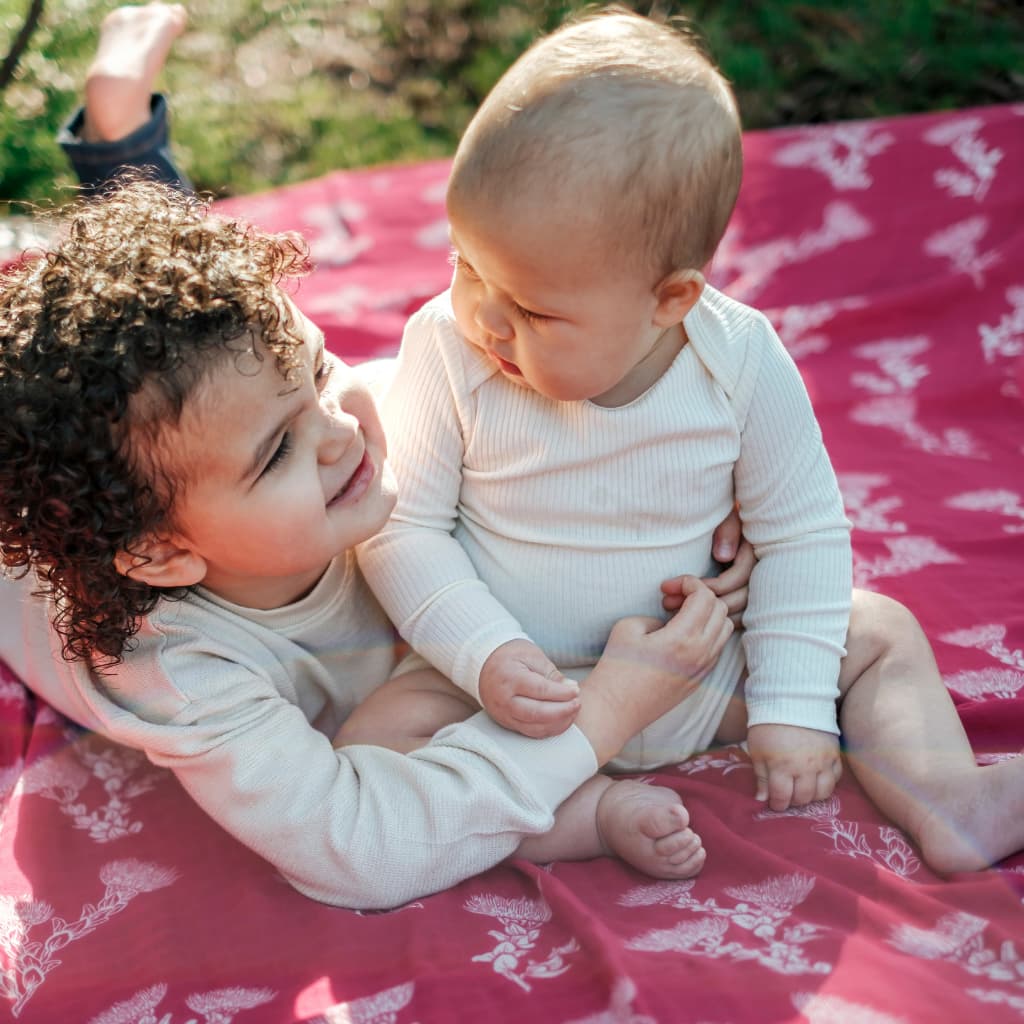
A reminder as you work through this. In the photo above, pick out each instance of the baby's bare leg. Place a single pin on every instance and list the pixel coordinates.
(133, 46)
(646, 826)
(405, 712)
(909, 751)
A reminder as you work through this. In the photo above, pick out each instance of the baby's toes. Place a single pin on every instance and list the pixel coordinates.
(679, 845)
(663, 820)
(688, 865)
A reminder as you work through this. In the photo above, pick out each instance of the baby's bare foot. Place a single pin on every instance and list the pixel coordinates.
(975, 820)
(133, 46)
(648, 827)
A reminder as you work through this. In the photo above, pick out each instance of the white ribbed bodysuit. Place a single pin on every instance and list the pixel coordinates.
(523, 516)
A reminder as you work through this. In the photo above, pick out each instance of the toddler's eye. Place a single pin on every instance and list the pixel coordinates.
(280, 454)
(322, 371)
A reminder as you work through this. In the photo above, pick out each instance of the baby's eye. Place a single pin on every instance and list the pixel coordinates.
(280, 454)
(528, 314)
(460, 264)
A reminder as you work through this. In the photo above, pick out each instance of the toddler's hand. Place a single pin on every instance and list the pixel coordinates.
(649, 666)
(523, 691)
(793, 765)
(686, 647)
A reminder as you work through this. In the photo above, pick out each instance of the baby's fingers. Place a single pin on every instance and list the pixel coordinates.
(780, 787)
(539, 718)
(737, 573)
(827, 779)
(805, 787)
(760, 777)
(736, 604)
(760, 787)
(816, 785)
(727, 536)
(547, 688)
(731, 585)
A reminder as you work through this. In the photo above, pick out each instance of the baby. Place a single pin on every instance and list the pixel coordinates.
(577, 413)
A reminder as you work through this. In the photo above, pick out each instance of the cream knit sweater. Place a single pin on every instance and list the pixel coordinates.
(241, 705)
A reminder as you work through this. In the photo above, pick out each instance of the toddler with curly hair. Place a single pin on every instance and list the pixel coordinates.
(184, 473)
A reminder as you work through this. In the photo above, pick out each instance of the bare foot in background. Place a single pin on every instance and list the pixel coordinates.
(133, 46)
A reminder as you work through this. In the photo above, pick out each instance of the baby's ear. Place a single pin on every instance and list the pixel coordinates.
(161, 563)
(677, 293)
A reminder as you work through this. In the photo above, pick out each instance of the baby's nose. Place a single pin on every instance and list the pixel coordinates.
(492, 319)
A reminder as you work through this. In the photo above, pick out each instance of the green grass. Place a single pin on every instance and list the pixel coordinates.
(266, 92)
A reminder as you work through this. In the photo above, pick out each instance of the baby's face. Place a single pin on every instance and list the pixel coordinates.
(556, 310)
(281, 476)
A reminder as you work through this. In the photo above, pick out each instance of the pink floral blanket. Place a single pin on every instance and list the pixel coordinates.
(890, 255)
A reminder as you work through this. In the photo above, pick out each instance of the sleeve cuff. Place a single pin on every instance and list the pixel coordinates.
(470, 660)
(780, 696)
(554, 767)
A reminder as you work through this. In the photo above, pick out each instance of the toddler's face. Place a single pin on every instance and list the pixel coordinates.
(554, 313)
(280, 477)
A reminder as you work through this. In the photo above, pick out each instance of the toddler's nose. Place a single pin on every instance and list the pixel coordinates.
(339, 431)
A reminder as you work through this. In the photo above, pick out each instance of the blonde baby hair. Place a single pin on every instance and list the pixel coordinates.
(626, 120)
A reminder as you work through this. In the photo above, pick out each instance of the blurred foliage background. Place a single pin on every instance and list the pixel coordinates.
(265, 92)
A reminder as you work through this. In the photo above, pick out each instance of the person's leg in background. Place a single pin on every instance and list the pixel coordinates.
(123, 124)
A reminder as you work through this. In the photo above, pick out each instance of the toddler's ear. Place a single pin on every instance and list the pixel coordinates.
(161, 563)
(677, 293)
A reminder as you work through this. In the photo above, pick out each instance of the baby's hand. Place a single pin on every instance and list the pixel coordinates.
(793, 765)
(523, 691)
(731, 585)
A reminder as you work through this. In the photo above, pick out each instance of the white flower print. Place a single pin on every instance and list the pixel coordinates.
(842, 152)
(522, 921)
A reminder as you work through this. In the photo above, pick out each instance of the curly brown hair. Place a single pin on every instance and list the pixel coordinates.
(145, 289)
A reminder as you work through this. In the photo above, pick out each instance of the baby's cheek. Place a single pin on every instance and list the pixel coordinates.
(461, 309)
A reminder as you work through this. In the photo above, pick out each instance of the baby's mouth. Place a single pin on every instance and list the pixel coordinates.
(505, 366)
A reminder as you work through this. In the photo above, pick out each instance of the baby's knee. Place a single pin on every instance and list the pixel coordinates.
(366, 727)
(879, 626)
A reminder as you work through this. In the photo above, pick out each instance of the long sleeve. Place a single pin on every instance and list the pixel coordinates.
(365, 827)
(226, 704)
(419, 571)
(792, 511)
